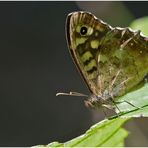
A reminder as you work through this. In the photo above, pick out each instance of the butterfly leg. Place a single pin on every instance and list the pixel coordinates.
(115, 105)
(89, 104)
(110, 108)
(106, 116)
(118, 102)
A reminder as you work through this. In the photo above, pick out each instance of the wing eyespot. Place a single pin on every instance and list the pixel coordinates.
(83, 30)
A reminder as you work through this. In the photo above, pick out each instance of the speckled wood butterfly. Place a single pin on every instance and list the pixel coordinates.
(111, 60)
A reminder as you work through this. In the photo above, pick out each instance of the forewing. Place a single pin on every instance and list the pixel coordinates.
(85, 48)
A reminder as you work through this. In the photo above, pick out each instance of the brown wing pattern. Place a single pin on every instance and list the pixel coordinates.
(123, 59)
(111, 60)
(84, 48)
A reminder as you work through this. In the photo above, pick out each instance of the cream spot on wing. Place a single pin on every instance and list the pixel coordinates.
(99, 28)
(86, 56)
(94, 44)
(78, 29)
(90, 31)
(91, 64)
(80, 40)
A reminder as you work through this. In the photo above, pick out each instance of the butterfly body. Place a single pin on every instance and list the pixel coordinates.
(111, 60)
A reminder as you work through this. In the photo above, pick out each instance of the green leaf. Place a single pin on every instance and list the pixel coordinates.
(141, 24)
(117, 139)
(136, 104)
(101, 134)
(105, 133)
(55, 144)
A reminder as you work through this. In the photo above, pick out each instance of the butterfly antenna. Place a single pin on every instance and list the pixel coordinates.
(71, 94)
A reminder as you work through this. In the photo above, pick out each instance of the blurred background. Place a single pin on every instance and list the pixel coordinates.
(35, 64)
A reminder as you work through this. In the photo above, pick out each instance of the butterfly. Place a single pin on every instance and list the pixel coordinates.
(112, 61)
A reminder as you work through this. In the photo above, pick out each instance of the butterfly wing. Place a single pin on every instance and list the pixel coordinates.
(111, 60)
(123, 60)
(84, 34)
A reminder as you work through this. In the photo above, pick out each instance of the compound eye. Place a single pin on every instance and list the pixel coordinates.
(83, 30)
